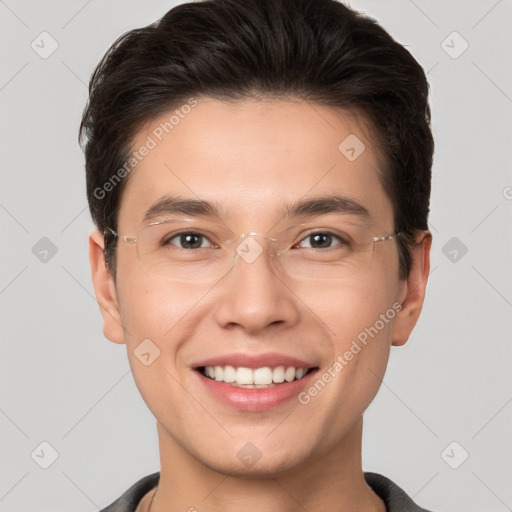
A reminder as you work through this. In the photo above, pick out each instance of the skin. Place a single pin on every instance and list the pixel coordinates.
(252, 157)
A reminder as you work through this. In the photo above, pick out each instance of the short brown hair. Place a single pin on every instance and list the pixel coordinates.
(319, 50)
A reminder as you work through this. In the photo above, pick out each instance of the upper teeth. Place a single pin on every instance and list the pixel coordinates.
(248, 376)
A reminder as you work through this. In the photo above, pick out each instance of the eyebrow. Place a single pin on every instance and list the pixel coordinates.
(173, 205)
(324, 205)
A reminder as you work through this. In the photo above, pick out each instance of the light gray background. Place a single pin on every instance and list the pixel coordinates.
(63, 383)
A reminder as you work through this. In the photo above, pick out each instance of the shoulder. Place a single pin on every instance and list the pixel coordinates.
(395, 499)
(129, 500)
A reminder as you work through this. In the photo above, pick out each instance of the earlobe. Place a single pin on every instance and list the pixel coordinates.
(105, 290)
(414, 291)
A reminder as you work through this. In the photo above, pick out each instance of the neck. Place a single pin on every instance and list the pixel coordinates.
(331, 482)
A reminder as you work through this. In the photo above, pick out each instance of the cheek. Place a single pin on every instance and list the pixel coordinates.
(150, 307)
(359, 319)
(348, 308)
(151, 316)
(158, 317)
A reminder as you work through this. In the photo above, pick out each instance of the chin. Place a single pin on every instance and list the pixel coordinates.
(253, 463)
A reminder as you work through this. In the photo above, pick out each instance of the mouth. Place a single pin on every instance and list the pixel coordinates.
(254, 382)
(255, 378)
(255, 388)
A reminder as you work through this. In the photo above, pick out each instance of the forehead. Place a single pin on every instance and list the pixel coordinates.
(252, 157)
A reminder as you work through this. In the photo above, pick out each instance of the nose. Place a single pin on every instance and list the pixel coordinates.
(253, 295)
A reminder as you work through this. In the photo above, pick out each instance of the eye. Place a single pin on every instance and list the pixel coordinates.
(321, 240)
(189, 240)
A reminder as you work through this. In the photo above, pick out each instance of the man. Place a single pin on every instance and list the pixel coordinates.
(259, 174)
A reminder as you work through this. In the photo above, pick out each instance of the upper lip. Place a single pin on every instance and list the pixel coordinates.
(254, 361)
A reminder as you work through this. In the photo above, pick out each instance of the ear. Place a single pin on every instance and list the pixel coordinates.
(413, 290)
(105, 289)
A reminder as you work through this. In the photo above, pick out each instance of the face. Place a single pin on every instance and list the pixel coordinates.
(250, 161)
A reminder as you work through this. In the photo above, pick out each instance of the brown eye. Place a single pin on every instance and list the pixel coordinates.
(320, 240)
(189, 240)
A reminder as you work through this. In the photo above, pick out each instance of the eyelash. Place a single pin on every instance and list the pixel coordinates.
(167, 240)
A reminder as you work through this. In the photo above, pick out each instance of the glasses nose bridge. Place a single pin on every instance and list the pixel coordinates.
(255, 234)
(249, 246)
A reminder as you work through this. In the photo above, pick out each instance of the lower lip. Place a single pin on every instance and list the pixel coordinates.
(251, 399)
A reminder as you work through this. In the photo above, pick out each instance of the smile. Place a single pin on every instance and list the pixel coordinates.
(254, 378)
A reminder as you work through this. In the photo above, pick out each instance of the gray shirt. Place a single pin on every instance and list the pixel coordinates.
(395, 499)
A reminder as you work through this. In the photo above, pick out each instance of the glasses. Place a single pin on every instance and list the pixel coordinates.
(192, 250)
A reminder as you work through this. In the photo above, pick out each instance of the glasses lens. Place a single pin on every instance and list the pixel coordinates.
(180, 252)
(186, 252)
(338, 251)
